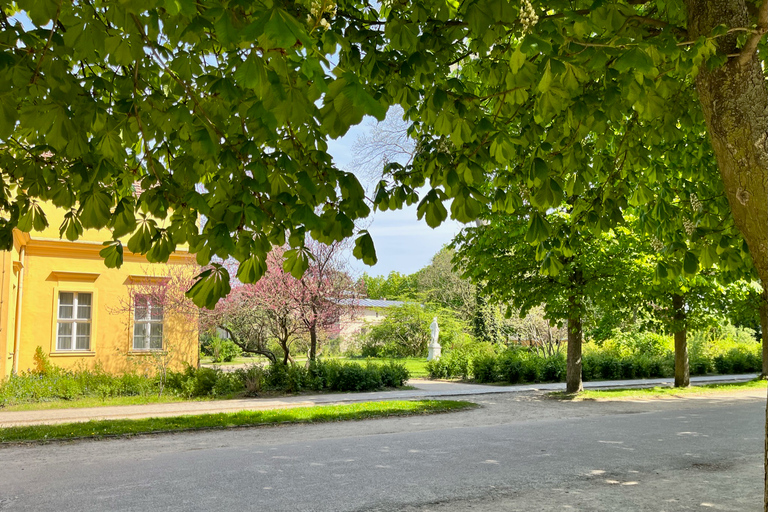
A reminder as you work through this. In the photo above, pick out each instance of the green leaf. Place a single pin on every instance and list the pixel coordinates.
(690, 263)
(141, 241)
(432, 207)
(33, 218)
(95, 209)
(71, 227)
(538, 229)
(251, 270)
(112, 254)
(364, 249)
(295, 262)
(211, 285)
(123, 220)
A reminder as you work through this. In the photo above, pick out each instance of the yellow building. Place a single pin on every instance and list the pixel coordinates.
(59, 295)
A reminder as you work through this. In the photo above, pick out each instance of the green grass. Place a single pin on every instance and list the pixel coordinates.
(93, 401)
(659, 392)
(316, 414)
(416, 366)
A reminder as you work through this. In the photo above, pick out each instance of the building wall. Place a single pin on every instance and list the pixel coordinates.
(53, 266)
(10, 268)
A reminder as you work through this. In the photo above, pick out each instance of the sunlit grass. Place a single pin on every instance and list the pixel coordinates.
(326, 413)
(659, 391)
(93, 401)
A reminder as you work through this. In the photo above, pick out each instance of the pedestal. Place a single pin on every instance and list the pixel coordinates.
(434, 351)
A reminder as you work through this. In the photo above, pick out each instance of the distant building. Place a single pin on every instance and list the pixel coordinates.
(363, 313)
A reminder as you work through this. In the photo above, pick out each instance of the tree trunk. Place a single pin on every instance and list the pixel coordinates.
(573, 365)
(734, 99)
(312, 343)
(764, 329)
(682, 373)
(573, 382)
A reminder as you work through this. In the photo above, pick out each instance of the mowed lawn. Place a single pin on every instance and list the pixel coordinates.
(415, 365)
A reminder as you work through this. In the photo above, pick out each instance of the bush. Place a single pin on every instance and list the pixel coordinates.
(485, 368)
(394, 375)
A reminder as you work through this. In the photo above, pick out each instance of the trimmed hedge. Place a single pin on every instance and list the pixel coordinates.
(58, 384)
(518, 365)
(317, 376)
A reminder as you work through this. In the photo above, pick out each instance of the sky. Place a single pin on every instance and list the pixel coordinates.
(403, 243)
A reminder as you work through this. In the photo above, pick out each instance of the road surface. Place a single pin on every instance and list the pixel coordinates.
(519, 451)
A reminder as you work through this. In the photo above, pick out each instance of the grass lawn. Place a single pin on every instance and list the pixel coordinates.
(416, 366)
(659, 392)
(100, 402)
(326, 413)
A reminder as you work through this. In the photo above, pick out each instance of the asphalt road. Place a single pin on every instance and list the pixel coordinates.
(517, 452)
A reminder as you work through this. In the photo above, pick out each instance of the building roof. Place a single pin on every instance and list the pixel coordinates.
(371, 303)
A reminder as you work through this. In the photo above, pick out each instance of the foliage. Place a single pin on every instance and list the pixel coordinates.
(626, 355)
(404, 332)
(439, 283)
(102, 96)
(395, 286)
(43, 365)
(284, 309)
(60, 384)
(223, 350)
(318, 375)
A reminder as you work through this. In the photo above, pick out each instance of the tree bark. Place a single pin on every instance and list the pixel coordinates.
(734, 99)
(682, 373)
(764, 329)
(573, 382)
(312, 342)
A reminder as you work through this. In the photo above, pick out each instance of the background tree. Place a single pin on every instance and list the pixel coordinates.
(239, 314)
(499, 255)
(441, 284)
(324, 291)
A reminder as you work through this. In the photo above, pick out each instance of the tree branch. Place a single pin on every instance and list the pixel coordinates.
(762, 28)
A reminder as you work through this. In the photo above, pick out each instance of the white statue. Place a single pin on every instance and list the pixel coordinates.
(434, 346)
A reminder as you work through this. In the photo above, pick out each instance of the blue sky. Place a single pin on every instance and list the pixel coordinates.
(403, 243)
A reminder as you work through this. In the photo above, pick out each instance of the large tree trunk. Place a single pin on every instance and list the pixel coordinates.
(682, 373)
(734, 99)
(764, 330)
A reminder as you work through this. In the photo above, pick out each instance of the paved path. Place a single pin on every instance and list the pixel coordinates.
(424, 389)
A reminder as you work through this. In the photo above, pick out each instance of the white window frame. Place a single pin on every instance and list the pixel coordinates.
(148, 322)
(74, 321)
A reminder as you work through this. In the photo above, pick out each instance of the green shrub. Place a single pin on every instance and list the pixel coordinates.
(224, 350)
(394, 375)
(553, 369)
(510, 367)
(485, 368)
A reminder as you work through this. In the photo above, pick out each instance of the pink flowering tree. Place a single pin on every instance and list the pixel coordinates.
(325, 292)
(285, 309)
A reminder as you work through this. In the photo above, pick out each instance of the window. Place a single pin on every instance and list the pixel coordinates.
(74, 321)
(147, 323)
